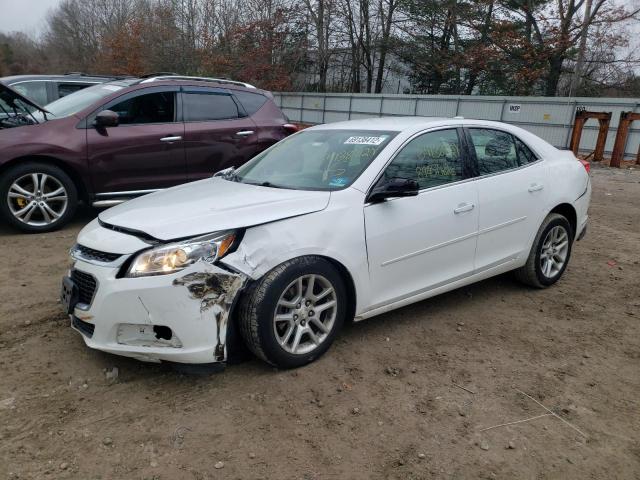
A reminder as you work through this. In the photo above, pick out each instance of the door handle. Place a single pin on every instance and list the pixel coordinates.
(245, 133)
(170, 139)
(463, 207)
(535, 187)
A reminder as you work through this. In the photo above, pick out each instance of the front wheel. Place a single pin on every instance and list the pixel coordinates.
(291, 316)
(37, 197)
(549, 254)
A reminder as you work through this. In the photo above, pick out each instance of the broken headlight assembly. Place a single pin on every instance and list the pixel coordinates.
(173, 257)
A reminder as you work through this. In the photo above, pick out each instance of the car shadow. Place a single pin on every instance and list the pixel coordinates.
(84, 215)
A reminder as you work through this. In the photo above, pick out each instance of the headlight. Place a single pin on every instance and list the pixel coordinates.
(173, 257)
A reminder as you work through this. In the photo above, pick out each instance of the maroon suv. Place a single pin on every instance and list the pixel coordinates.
(117, 140)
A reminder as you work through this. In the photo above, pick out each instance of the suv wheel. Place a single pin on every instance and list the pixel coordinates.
(36, 197)
(549, 254)
(291, 316)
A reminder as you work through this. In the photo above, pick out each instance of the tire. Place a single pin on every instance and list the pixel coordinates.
(18, 190)
(267, 337)
(536, 272)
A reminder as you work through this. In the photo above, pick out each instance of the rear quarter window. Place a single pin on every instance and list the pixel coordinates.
(525, 155)
(252, 102)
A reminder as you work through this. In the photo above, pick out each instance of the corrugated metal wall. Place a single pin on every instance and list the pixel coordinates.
(549, 118)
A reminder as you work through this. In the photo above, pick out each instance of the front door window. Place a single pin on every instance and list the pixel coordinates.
(432, 159)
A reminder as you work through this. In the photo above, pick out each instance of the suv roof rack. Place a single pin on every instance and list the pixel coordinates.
(159, 74)
(155, 78)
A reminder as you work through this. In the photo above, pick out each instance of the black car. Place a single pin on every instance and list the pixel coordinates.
(44, 89)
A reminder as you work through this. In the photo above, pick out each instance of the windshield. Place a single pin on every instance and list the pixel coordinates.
(315, 159)
(75, 102)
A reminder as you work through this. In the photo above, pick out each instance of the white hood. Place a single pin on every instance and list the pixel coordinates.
(211, 205)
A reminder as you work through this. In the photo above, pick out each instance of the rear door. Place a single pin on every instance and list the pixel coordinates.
(145, 151)
(512, 195)
(218, 132)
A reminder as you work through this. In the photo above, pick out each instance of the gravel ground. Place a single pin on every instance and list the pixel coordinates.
(405, 395)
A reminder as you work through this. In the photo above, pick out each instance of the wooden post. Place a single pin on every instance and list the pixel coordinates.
(598, 154)
(578, 124)
(621, 138)
(604, 119)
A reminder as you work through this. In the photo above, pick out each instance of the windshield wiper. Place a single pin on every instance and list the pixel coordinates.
(270, 185)
(262, 184)
(228, 174)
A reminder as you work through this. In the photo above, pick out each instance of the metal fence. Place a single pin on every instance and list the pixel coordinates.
(549, 118)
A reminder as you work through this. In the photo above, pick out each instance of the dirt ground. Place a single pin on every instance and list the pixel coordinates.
(385, 402)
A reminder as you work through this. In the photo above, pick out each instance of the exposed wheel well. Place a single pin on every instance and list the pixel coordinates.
(349, 285)
(568, 212)
(83, 194)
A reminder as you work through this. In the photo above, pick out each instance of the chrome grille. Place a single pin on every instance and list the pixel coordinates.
(96, 255)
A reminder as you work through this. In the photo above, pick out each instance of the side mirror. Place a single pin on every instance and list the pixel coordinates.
(394, 187)
(107, 118)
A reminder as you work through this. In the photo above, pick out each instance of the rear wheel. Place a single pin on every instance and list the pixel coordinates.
(549, 254)
(37, 197)
(291, 316)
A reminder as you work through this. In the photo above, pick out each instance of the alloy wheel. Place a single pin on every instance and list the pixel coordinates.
(553, 254)
(37, 199)
(305, 314)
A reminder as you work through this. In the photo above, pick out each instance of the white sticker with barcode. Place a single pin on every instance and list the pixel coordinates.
(361, 140)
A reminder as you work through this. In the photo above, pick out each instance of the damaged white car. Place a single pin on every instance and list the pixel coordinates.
(339, 221)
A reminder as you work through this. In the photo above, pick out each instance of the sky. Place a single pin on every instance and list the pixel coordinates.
(24, 15)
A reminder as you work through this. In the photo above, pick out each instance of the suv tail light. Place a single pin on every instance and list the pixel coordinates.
(290, 128)
(586, 165)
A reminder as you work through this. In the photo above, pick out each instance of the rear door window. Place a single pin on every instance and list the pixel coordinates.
(495, 150)
(205, 106)
(65, 89)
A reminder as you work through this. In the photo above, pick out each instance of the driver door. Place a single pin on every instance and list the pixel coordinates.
(146, 150)
(419, 243)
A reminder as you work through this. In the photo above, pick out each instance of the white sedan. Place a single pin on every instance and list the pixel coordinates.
(339, 221)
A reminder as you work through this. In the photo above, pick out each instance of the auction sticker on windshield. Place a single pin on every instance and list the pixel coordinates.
(359, 140)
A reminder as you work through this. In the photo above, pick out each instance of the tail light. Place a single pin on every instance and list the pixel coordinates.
(586, 165)
(290, 128)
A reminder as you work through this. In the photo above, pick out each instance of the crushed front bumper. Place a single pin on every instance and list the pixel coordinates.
(182, 317)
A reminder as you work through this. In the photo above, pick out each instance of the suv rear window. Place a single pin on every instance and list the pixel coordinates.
(201, 107)
(252, 102)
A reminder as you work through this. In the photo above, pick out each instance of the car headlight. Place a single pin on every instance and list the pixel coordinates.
(173, 257)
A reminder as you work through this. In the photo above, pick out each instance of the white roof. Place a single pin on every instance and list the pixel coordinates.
(393, 124)
(411, 125)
